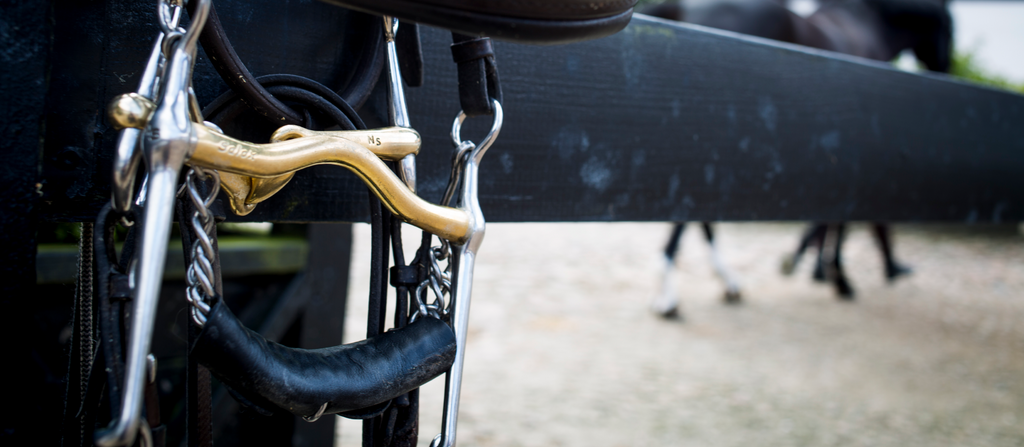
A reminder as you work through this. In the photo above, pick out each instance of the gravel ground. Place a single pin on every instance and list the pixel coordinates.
(564, 352)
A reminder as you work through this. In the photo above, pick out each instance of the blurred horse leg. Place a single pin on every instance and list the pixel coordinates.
(814, 235)
(732, 286)
(665, 302)
(818, 275)
(893, 269)
(834, 239)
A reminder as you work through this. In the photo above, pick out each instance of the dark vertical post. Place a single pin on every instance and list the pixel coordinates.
(23, 74)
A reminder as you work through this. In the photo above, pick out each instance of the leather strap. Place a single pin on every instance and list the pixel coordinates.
(538, 22)
(231, 69)
(410, 53)
(380, 232)
(478, 74)
(79, 412)
(110, 278)
(313, 96)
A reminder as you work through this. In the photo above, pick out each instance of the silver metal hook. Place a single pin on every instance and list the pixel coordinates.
(196, 27)
(481, 148)
(169, 13)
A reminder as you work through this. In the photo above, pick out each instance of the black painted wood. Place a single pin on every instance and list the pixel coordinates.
(24, 51)
(669, 122)
(674, 122)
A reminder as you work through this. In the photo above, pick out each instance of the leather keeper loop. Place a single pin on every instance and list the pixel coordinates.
(477, 72)
(472, 50)
(404, 276)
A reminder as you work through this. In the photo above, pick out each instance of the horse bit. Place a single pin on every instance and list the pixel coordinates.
(164, 116)
(162, 128)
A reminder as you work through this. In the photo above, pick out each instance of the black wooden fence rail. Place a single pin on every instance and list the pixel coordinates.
(660, 122)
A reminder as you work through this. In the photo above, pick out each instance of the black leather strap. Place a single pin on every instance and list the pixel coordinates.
(470, 49)
(79, 409)
(98, 329)
(329, 107)
(231, 69)
(478, 74)
(112, 301)
(410, 53)
(538, 22)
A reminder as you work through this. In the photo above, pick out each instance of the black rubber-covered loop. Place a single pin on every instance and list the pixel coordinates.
(477, 72)
(346, 377)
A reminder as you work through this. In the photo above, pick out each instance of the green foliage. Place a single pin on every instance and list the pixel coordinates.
(966, 67)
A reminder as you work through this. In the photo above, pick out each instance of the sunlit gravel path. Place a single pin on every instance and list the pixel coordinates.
(564, 352)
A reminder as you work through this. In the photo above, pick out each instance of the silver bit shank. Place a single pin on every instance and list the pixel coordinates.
(397, 109)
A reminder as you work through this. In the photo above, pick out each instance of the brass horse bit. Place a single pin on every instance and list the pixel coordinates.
(165, 117)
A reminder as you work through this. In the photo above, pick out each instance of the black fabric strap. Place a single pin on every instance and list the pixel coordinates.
(478, 74)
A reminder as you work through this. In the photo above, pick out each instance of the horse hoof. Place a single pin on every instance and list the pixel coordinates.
(843, 289)
(895, 270)
(788, 265)
(665, 307)
(733, 297)
(671, 314)
(819, 273)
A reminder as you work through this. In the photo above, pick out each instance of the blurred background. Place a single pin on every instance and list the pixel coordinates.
(564, 351)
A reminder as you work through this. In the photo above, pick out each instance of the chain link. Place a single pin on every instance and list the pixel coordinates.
(438, 283)
(200, 275)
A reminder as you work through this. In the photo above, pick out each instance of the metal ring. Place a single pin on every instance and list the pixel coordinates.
(202, 12)
(169, 12)
(198, 317)
(481, 148)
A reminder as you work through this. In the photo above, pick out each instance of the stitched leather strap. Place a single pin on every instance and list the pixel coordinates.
(538, 22)
(478, 74)
(231, 69)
